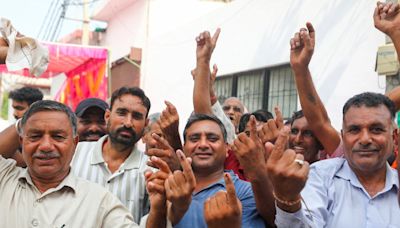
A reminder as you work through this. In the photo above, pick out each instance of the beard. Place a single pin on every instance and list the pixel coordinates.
(118, 138)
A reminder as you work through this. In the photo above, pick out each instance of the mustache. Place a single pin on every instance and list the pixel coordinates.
(365, 148)
(46, 155)
(99, 133)
(130, 130)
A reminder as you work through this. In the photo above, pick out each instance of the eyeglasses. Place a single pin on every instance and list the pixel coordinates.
(228, 107)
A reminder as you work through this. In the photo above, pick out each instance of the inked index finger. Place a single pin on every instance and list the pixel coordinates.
(230, 189)
(162, 165)
(161, 142)
(187, 168)
(253, 128)
(280, 144)
(278, 117)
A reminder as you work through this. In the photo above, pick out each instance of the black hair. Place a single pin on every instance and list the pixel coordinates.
(134, 91)
(200, 117)
(370, 99)
(296, 115)
(260, 115)
(28, 94)
(48, 105)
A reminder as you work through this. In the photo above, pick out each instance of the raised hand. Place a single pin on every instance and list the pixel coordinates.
(270, 130)
(155, 182)
(206, 45)
(163, 151)
(302, 47)
(169, 124)
(179, 188)
(250, 151)
(223, 209)
(213, 76)
(288, 173)
(155, 185)
(387, 18)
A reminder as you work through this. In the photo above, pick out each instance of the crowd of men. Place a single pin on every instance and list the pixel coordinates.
(233, 168)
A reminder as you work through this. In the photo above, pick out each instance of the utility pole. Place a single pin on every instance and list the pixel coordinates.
(85, 25)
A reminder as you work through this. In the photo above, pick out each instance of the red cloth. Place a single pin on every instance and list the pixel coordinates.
(232, 163)
(396, 152)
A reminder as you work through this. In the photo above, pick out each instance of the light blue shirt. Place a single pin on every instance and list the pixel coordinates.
(336, 198)
(194, 217)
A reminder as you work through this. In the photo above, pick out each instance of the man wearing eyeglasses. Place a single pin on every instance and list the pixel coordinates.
(234, 109)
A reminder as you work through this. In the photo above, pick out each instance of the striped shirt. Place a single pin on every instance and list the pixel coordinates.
(127, 183)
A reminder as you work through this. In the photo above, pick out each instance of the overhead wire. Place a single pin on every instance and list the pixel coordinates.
(52, 19)
(60, 20)
(45, 18)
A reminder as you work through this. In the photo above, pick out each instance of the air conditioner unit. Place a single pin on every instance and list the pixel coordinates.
(386, 60)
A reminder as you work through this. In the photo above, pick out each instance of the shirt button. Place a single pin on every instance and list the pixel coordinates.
(35, 222)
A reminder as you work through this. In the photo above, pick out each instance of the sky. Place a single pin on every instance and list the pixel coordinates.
(27, 16)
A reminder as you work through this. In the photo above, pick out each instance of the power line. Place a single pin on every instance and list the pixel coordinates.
(45, 18)
(60, 20)
(50, 20)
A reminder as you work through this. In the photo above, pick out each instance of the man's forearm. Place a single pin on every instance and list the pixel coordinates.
(9, 141)
(310, 101)
(201, 95)
(394, 94)
(264, 198)
(3, 50)
(157, 218)
(314, 110)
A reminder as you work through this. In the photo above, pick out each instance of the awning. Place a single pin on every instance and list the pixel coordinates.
(84, 66)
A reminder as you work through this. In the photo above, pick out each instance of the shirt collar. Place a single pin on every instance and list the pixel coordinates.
(221, 182)
(347, 173)
(97, 155)
(133, 160)
(69, 181)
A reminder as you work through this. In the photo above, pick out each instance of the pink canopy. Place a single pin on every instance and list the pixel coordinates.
(84, 66)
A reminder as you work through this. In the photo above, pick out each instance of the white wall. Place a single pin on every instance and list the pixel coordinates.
(126, 29)
(255, 34)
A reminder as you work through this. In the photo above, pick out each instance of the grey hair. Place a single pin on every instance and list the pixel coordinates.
(47, 105)
(153, 118)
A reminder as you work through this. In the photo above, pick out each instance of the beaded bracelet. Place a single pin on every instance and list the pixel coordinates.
(285, 202)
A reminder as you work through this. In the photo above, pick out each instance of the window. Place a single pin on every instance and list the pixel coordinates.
(261, 89)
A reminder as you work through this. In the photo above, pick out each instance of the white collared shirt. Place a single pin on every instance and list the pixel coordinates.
(73, 203)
